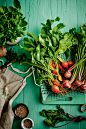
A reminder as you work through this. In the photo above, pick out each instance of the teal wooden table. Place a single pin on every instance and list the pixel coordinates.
(73, 14)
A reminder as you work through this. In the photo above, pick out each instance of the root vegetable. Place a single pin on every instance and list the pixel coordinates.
(3, 51)
(83, 87)
(53, 64)
(67, 84)
(65, 64)
(55, 89)
(80, 118)
(59, 66)
(56, 82)
(78, 82)
(70, 63)
(60, 78)
(68, 74)
(54, 71)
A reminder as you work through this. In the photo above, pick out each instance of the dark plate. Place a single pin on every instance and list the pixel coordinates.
(14, 110)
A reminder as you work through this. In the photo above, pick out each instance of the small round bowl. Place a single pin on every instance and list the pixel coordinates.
(16, 41)
(27, 122)
(20, 111)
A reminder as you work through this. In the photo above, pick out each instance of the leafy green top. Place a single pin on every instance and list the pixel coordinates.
(12, 23)
(50, 42)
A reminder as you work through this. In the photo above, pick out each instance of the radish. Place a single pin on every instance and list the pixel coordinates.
(68, 74)
(65, 64)
(78, 82)
(70, 63)
(55, 89)
(67, 84)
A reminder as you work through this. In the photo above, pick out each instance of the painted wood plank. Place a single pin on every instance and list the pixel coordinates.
(9, 3)
(81, 12)
(4, 2)
(73, 14)
(1, 3)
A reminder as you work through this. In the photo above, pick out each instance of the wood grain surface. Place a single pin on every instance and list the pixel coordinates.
(73, 14)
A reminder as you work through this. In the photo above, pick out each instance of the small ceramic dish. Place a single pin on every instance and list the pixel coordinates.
(27, 123)
(20, 111)
(16, 41)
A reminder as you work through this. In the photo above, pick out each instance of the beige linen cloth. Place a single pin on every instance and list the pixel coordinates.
(11, 85)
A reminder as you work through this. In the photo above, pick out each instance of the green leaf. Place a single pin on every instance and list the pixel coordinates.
(38, 52)
(1, 35)
(58, 27)
(10, 8)
(54, 41)
(39, 80)
(48, 122)
(57, 19)
(28, 41)
(60, 109)
(67, 53)
(65, 43)
(49, 41)
(41, 40)
(52, 49)
(44, 32)
(12, 40)
(83, 29)
(33, 36)
(50, 54)
(3, 43)
(16, 4)
(50, 22)
(1, 9)
(28, 49)
(43, 112)
(42, 52)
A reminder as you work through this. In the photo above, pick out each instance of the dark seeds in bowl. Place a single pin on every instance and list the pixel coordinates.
(21, 111)
(28, 123)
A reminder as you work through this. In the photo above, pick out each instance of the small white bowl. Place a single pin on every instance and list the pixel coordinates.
(22, 123)
(16, 41)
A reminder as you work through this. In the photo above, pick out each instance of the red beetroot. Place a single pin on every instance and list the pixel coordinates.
(65, 64)
(84, 80)
(55, 89)
(67, 84)
(70, 63)
(83, 87)
(54, 71)
(78, 82)
(53, 64)
(68, 74)
(59, 66)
